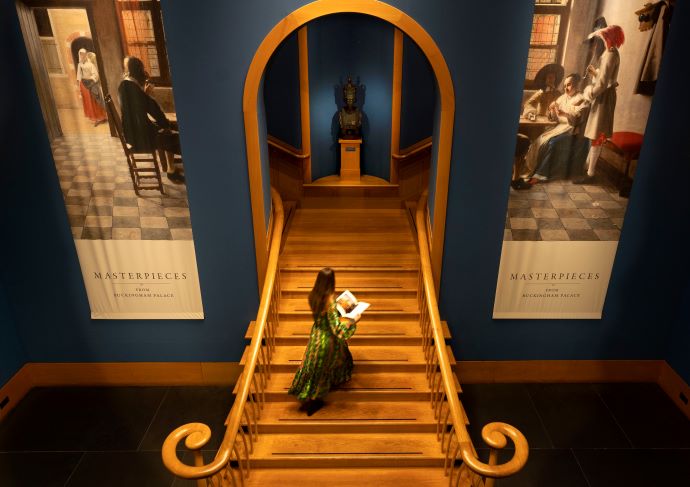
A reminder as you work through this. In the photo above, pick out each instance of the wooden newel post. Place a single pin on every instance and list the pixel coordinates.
(349, 159)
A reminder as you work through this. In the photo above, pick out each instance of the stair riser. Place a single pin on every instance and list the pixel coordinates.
(323, 461)
(365, 296)
(357, 340)
(369, 316)
(308, 274)
(361, 395)
(351, 427)
(363, 367)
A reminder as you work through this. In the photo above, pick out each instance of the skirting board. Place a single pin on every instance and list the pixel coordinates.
(15, 390)
(676, 388)
(116, 374)
(227, 373)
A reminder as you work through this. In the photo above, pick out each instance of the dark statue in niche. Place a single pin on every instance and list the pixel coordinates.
(349, 116)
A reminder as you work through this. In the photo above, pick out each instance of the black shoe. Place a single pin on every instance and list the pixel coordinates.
(175, 177)
(520, 184)
(585, 180)
(313, 406)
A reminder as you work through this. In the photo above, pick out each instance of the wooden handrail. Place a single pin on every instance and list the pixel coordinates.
(494, 434)
(413, 150)
(197, 435)
(285, 147)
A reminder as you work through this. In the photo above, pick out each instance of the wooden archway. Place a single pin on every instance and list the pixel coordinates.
(250, 100)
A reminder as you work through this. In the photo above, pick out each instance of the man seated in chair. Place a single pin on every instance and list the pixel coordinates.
(144, 135)
(554, 154)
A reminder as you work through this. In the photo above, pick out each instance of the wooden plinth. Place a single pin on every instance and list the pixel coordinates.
(349, 159)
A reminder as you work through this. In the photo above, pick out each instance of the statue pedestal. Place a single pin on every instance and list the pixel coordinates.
(349, 159)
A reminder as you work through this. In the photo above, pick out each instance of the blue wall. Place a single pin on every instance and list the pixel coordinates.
(281, 93)
(12, 355)
(360, 46)
(679, 339)
(43, 277)
(418, 95)
(671, 154)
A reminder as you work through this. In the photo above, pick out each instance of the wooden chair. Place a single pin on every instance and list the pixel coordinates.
(628, 146)
(142, 176)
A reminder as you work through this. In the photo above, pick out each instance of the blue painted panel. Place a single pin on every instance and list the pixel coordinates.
(360, 46)
(281, 93)
(265, 163)
(12, 355)
(418, 96)
(679, 339)
(433, 166)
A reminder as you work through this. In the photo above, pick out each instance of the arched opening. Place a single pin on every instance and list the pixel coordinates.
(252, 100)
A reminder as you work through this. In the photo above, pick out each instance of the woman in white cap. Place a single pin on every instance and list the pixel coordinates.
(90, 88)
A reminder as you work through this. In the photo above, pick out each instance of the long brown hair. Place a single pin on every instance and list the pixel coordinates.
(324, 287)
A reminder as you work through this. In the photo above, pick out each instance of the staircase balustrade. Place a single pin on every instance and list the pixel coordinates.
(231, 463)
(462, 464)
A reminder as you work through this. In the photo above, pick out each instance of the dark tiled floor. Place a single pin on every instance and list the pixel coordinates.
(589, 435)
(581, 435)
(102, 437)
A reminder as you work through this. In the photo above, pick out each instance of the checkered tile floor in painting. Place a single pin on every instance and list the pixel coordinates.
(561, 210)
(100, 199)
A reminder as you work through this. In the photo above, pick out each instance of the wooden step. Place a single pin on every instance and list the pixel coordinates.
(364, 386)
(367, 294)
(369, 315)
(307, 273)
(367, 358)
(348, 450)
(347, 477)
(342, 416)
(368, 332)
(410, 261)
(378, 304)
(303, 280)
(373, 243)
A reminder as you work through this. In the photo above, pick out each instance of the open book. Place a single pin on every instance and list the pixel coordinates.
(348, 306)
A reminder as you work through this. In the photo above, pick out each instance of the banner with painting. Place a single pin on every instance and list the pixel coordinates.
(103, 81)
(591, 73)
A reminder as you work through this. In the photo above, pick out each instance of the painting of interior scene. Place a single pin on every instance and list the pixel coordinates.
(591, 74)
(103, 79)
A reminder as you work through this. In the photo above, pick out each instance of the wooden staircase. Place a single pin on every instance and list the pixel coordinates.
(380, 425)
(398, 421)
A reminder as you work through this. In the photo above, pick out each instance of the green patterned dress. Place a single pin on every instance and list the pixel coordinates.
(327, 360)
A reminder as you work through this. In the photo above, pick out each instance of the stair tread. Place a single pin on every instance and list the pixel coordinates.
(347, 477)
(371, 385)
(361, 354)
(357, 445)
(400, 353)
(351, 411)
(402, 381)
(332, 260)
(373, 329)
(378, 304)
